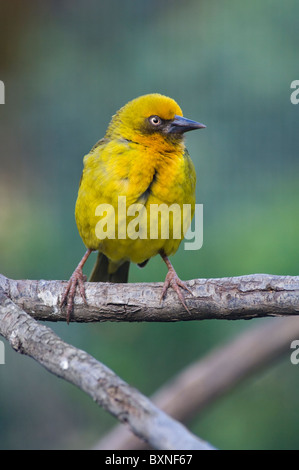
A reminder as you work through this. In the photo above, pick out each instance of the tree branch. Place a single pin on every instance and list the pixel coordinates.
(243, 297)
(202, 382)
(28, 337)
(233, 298)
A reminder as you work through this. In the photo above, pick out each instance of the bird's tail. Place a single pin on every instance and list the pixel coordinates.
(105, 271)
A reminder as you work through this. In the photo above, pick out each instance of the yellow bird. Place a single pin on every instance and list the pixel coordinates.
(140, 165)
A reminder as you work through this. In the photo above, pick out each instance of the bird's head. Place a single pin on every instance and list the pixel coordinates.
(150, 119)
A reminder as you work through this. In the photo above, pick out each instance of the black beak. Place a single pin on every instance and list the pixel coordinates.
(179, 125)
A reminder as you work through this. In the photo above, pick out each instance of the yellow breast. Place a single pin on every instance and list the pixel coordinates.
(131, 181)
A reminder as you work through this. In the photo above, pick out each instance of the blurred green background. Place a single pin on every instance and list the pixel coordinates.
(67, 67)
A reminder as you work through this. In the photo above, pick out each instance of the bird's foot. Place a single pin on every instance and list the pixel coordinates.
(77, 278)
(172, 280)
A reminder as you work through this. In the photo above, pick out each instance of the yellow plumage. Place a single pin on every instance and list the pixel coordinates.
(141, 157)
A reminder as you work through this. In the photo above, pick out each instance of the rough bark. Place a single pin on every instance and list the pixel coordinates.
(232, 298)
(22, 302)
(124, 402)
(209, 378)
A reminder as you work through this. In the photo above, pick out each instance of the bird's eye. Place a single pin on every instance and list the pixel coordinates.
(155, 120)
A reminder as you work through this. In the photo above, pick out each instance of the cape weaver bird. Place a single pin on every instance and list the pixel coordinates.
(142, 157)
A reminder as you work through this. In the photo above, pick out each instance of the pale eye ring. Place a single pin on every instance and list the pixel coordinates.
(155, 120)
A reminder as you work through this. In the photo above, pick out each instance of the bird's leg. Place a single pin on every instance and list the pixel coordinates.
(70, 291)
(174, 281)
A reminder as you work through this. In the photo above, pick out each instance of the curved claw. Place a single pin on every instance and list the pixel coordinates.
(172, 280)
(77, 278)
